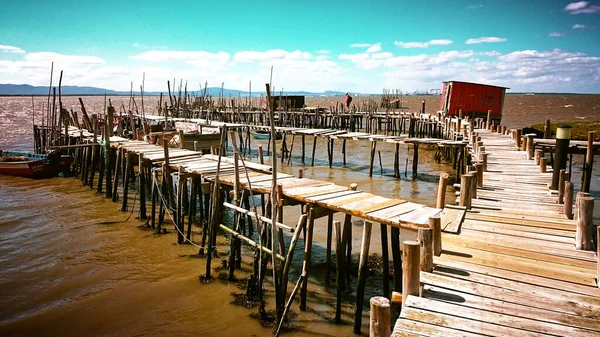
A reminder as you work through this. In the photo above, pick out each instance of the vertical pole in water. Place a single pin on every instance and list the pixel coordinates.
(109, 153)
(563, 136)
(347, 238)
(154, 199)
(339, 258)
(397, 258)
(386, 260)
(142, 187)
(547, 129)
(373, 148)
(362, 276)
(589, 162)
(441, 196)
(118, 161)
(303, 147)
(126, 173)
(415, 163)
(328, 249)
(312, 163)
(307, 257)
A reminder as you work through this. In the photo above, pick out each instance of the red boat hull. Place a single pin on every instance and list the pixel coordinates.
(34, 168)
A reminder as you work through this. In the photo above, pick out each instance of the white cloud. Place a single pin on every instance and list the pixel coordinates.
(11, 49)
(578, 26)
(485, 39)
(582, 7)
(360, 45)
(439, 42)
(323, 51)
(375, 48)
(556, 34)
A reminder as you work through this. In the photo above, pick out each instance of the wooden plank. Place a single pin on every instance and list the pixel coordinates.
(512, 321)
(381, 206)
(507, 308)
(459, 323)
(538, 254)
(517, 276)
(452, 217)
(499, 227)
(511, 291)
(423, 329)
(521, 265)
(521, 220)
(323, 197)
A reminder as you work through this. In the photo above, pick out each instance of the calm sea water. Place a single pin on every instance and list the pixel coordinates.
(70, 265)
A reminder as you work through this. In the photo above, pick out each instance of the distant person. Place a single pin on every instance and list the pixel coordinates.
(348, 101)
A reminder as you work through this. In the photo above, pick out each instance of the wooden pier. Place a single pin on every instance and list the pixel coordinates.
(502, 262)
(516, 266)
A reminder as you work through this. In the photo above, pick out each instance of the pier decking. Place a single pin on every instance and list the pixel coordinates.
(513, 270)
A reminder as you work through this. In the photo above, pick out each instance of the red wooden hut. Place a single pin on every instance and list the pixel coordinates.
(474, 99)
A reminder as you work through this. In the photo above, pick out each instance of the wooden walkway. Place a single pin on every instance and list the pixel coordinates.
(513, 270)
(393, 212)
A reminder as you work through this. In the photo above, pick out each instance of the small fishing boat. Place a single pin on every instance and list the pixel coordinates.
(263, 134)
(27, 164)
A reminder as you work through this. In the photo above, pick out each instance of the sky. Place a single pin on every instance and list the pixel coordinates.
(312, 45)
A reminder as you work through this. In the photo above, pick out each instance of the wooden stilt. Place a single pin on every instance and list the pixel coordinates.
(340, 269)
(328, 250)
(426, 250)
(362, 276)
(435, 223)
(126, 184)
(307, 258)
(312, 162)
(386, 260)
(380, 315)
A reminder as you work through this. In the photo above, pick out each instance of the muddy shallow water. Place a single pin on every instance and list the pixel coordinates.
(70, 265)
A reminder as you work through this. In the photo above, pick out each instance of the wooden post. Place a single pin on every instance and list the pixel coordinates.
(537, 155)
(261, 158)
(561, 186)
(312, 162)
(328, 247)
(518, 138)
(488, 121)
(589, 162)
(583, 235)
(547, 129)
(543, 165)
(362, 276)
(372, 157)
(380, 316)
(347, 238)
(115, 194)
(397, 258)
(415, 161)
(339, 258)
(568, 199)
(479, 170)
(435, 223)
(410, 269)
(126, 184)
(142, 187)
(385, 259)
(307, 257)
(426, 250)
(300, 173)
(563, 136)
(473, 194)
(441, 195)
(530, 147)
(465, 189)
(483, 157)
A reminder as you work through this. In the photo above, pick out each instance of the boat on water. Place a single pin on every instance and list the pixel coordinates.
(32, 165)
(263, 134)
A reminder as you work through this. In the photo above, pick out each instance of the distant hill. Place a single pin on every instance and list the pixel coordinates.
(27, 90)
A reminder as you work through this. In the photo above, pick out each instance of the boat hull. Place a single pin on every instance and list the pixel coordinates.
(39, 166)
(265, 135)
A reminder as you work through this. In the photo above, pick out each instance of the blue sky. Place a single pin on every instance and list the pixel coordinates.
(541, 46)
